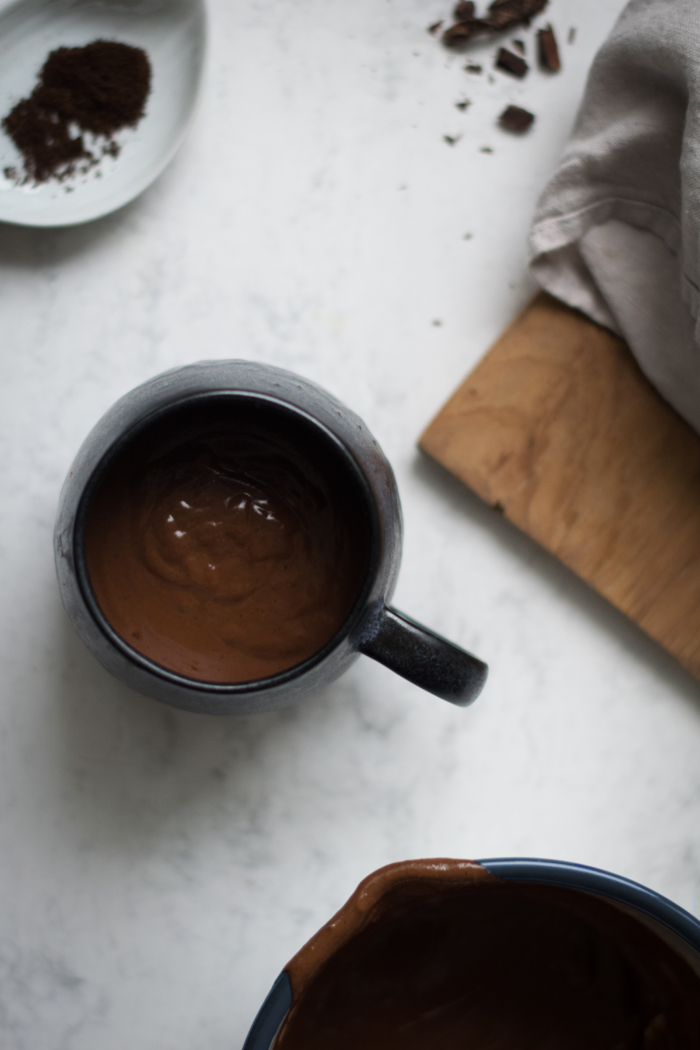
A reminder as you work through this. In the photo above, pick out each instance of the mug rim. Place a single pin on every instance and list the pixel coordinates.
(160, 671)
(535, 870)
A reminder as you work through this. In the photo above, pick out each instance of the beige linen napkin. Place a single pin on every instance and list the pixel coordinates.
(617, 230)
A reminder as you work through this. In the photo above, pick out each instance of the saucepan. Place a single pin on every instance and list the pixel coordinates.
(506, 953)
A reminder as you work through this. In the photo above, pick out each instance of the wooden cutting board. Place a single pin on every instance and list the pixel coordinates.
(557, 428)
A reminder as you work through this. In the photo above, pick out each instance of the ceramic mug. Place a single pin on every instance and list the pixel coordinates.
(373, 627)
(392, 925)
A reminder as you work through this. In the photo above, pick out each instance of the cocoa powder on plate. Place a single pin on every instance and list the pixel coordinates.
(99, 89)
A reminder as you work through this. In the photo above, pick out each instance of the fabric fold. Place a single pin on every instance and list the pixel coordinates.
(616, 233)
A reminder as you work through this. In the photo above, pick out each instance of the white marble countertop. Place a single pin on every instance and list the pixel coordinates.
(157, 868)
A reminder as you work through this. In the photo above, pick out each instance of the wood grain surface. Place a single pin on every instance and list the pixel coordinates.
(558, 428)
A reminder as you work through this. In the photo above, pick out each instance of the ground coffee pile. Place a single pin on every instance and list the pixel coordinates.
(99, 88)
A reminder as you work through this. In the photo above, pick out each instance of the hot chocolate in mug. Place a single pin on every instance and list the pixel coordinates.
(229, 538)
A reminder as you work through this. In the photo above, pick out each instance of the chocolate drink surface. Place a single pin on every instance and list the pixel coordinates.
(496, 966)
(226, 549)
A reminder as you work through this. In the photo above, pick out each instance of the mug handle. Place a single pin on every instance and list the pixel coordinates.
(422, 656)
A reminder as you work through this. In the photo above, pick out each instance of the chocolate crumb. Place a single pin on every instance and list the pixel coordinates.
(464, 11)
(547, 50)
(434, 27)
(572, 35)
(472, 67)
(503, 14)
(485, 149)
(513, 118)
(452, 140)
(461, 33)
(464, 104)
(520, 45)
(498, 507)
(509, 62)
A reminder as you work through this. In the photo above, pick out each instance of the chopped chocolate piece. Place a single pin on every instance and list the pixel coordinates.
(511, 63)
(452, 140)
(503, 14)
(548, 50)
(572, 35)
(472, 67)
(520, 45)
(513, 118)
(485, 149)
(434, 27)
(464, 11)
(463, 104)
(458, 35)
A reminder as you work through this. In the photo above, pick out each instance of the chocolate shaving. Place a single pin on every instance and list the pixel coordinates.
(511, 63)
(547, 50)
(99, 88)
(472, 67)
(520, 45)
(513, 118)
(464, 11)
(434, 27)
(502, 14)
(506, 13)
(458, 35)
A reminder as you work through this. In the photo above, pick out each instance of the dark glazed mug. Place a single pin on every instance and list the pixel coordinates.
(391, 930)
(372, 626)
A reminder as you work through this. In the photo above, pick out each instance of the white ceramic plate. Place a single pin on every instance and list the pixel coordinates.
(172, 32)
